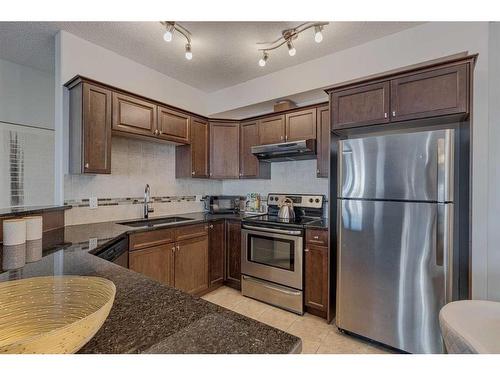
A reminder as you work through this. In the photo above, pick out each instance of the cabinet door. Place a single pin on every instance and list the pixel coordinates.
(199, 148)
(133, 115)
(216, 252)
(191, 265)
(224, 150)
(155, 262)
(434, 93)
(233, 254)
(323, 141)
(359, 106)
(301, 125)
(96, 146)
(316, 277)
(272, 130)
(173, 125)
(250, 166)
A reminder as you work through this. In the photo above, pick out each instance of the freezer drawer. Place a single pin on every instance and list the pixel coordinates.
(412, 166)
(393, 271)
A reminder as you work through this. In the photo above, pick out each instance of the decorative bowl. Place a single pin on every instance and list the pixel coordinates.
(52, 314)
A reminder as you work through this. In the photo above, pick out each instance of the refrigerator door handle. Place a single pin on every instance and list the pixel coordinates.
(445, 167)
(444, 247)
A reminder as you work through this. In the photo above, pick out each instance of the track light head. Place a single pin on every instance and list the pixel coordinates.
(318, 35)
(189, 54)
(291, 48)
(263, 60)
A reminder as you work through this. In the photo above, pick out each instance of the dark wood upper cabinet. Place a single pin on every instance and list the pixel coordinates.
(300, 125)
(173, 125)
(272, 130)
(250, 166)
(224, 149)
(193, 160)
(316, 277)
(360, 106)
(437, 92)
(323, 141)
(155, 262)
(233, 254)
(133, 115)
(89, 129)
(191, 265)
(216, 239)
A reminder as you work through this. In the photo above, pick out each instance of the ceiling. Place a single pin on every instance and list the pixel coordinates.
(224, 53)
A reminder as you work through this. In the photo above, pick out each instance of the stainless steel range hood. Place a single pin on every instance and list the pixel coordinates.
(298, 150)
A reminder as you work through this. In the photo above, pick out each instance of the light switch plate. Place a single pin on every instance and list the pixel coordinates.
(93, 202)
(92, 243)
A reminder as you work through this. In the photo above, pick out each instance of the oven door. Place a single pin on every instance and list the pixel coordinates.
(272, 254)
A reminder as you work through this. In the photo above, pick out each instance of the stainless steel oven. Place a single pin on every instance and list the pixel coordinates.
(271, 265)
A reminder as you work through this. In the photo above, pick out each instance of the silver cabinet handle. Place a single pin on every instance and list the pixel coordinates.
(385, 114)
(306, 250)
(316, 237)
(173, 249)
(178, 247)
(86, 165)
(281, 137)
(192, 173)
(394, 113)
(211, 226)
(286, 137)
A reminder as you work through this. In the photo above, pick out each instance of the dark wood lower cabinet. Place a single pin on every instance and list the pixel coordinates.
(216, 238)
(316, 277)
(154, 262)
(191, 265)
(233, 254)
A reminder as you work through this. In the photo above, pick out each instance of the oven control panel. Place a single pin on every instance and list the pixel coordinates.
(305, 200)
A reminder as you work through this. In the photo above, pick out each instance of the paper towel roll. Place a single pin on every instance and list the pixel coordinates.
(14, 256)
(33, 227)
(14, 232)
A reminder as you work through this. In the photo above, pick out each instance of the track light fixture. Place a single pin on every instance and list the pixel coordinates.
(263, 60)
(287, 37)
(170, 29)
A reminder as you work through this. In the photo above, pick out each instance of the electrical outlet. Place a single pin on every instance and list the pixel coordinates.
(93, 202)
(92, 243)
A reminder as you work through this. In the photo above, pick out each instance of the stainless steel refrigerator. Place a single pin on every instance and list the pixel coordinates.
(395, 230)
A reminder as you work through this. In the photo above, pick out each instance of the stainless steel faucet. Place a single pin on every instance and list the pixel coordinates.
(147, 198)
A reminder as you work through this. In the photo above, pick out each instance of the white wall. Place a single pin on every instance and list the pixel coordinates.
(26, 95)
(418, 44)
(27, 113)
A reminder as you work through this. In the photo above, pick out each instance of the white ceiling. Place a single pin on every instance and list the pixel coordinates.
(224, 53)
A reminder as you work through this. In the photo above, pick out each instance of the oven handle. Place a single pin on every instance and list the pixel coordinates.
(266, 285)
(273, 230)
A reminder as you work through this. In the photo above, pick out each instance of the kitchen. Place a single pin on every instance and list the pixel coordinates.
(238, 216)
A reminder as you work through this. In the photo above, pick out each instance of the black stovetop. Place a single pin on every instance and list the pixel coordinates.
(299, 221)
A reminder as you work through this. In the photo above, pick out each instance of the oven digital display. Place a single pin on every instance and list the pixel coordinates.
(296, 200)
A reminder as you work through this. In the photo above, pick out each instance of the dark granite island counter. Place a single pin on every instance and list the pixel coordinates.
(149, 317)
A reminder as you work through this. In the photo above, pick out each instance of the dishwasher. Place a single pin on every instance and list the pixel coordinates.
(116, 252)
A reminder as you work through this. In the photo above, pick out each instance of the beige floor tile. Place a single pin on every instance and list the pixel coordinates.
(251, 308)
(278, 318)
(225, 297)
(309, 347)
(310, 327)
(339, 343)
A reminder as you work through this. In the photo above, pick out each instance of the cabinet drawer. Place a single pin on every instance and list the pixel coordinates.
(191, 231)
(317, 236)
(151, 238)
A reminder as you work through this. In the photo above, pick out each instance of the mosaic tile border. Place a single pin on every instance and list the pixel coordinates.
(126, 201)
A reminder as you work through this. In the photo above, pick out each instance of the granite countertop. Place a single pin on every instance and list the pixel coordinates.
(149, 317)
(29, 210)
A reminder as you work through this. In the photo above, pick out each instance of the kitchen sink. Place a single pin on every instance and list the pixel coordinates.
(154, 222)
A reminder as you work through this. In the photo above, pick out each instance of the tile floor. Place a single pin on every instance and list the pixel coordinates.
(317, 336)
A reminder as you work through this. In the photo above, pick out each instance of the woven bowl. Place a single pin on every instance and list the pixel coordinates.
(50, 314)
